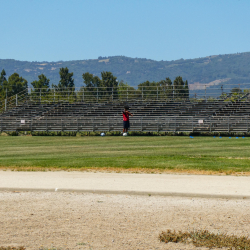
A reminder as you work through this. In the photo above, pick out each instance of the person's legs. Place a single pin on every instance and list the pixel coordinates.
(124, 127)
(127, 127)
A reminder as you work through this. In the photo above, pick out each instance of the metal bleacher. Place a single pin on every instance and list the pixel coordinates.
(150, 114)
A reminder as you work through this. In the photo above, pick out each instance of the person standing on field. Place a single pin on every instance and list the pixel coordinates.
(126, 115)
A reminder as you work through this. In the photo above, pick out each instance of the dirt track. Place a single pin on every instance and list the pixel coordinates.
(123, 183)
(92, 221)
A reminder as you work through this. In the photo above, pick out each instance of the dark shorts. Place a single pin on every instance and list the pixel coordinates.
(126, 124)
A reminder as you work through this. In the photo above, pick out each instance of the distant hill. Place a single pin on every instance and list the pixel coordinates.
(233, 69)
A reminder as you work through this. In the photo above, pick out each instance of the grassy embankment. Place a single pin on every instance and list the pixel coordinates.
(153, 154)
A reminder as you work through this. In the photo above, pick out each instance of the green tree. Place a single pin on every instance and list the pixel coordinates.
(180, 88)
(166, 88)
(2, 84)
(125, 91)
(148, 89)
(66, 80)
(108, 80)
(41, 86)
(66, 85)
(89, 92)
(186, 90)
(109, 85)
(15, 84)
(2, 77)
(91, 81)
(105, 88)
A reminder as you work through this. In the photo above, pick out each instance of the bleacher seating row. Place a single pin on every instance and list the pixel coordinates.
(219, 115)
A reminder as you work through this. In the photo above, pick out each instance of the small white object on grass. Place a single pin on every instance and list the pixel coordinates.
(102, 134)
(124, 134)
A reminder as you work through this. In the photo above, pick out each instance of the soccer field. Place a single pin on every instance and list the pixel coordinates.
(151, 152)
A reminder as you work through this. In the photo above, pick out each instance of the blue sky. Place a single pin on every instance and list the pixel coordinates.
(53, 30)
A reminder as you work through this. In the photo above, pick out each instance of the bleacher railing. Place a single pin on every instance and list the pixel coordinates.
(126, 94)
(104, 94)
(14, 100)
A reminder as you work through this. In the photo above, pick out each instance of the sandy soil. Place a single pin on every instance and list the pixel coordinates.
(91, 221)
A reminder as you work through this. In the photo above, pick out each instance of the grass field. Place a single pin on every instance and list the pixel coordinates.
(162, 153)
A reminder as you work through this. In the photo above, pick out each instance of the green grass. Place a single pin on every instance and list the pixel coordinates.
(200, 153)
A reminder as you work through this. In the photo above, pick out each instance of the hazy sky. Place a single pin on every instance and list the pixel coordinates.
(53, 30)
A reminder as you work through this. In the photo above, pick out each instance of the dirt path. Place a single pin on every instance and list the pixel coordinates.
(120, 183)
(92, 221)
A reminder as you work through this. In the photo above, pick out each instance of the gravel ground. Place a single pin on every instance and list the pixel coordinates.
(91, 221)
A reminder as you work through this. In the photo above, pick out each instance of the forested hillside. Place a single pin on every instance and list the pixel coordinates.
(212, 70)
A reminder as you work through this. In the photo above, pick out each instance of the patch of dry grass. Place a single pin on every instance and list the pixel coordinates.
(127, 170)
(205, 238)
(12, 248)
(49, 248)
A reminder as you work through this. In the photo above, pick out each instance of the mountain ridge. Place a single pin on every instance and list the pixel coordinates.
(229, 69)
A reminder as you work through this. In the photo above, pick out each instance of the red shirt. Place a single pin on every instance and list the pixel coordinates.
(125, 116)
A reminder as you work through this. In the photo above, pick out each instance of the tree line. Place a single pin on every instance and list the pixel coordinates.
(93, 86)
